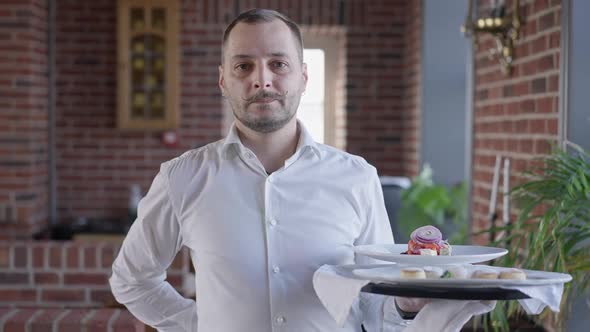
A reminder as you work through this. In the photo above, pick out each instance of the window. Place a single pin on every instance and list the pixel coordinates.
(311, 107)
(326, 60)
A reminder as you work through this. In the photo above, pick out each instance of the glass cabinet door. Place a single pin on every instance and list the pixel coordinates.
(148, 65)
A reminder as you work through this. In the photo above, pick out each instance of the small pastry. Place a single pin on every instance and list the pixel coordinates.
(433, 272)
(484, 274)
(457, 272)
(412, 273)
(515, 274)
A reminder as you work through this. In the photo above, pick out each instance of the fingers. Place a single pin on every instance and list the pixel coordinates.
(411, 304)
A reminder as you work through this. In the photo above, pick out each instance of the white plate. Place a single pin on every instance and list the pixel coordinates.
(391, 274)
(460, 254)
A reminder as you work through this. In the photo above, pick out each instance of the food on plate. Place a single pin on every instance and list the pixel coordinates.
(446, 272)
(433, 272)
(412, 273)
(455, 272)
(460, 272)
(428, 252)
(513, 274)
(427, 240)
(445, 250)
(484, 274)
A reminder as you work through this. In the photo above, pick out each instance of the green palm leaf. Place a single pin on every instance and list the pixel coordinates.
(559, 238)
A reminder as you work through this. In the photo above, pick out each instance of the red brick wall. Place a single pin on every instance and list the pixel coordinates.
(68, 320)
(97, 163)
(516, 116)
(23, 116)
(382, 74)
(65, 274)
(411, 104)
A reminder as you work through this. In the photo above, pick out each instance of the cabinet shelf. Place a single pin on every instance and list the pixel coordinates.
(147, 56)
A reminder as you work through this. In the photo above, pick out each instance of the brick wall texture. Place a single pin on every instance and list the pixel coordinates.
(23, 115)
(96, 163)
(378, 118)
(65, 274)
(63, 286)
(516, 116)
(68, 320)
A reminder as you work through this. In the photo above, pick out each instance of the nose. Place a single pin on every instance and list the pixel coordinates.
(263, 78)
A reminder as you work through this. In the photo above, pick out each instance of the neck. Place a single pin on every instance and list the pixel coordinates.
(272, 149)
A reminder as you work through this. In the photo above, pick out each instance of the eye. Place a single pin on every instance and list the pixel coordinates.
(243, 67)
(279, 65)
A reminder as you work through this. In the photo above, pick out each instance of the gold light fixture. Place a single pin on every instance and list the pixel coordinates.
(505, 30)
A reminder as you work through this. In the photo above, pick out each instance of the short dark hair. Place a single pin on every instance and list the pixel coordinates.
(257, 15)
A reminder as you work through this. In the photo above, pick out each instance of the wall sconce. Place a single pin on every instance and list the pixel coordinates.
(504, 29)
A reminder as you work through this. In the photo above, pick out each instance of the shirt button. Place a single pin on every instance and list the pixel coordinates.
(273, 222)
(276, 269)
(270, 180)
(280, 320)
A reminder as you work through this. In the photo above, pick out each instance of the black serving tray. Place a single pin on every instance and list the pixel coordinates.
(452, 293)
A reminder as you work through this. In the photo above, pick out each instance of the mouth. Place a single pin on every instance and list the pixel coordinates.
(263, 101)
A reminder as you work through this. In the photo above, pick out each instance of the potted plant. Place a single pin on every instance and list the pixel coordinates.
(551, 233)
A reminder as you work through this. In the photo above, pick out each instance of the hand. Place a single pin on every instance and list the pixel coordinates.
(411, 304)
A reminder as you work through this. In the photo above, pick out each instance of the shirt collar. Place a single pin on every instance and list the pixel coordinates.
(305, 140)
(232, 137)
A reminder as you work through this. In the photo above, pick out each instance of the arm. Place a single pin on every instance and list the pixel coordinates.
(139, 271)
(380, 313)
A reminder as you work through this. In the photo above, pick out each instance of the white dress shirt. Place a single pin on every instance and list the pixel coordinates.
(255, 239)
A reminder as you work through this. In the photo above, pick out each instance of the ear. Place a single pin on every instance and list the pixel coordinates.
(304, 73)
(221, 81)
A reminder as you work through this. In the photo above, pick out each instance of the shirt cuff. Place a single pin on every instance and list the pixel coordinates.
(392, 320)
(404, 314)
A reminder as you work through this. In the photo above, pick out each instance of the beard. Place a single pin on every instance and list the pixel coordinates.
(274, 116)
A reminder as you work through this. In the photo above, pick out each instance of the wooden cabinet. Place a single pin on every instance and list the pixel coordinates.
(148, 61)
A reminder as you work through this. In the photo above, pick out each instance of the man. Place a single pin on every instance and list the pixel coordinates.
(260, 210)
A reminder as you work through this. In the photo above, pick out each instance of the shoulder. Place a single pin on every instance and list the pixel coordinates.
(192, 160)
(345, 160)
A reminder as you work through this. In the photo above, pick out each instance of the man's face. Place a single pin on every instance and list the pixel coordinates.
(262, 76)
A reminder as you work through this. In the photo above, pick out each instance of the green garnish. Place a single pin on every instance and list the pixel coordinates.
(446, 275)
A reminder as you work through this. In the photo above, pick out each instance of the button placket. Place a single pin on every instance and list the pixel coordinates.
(275, 310)
(250, 159)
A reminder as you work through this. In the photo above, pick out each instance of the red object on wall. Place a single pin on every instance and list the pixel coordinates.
(170, 139)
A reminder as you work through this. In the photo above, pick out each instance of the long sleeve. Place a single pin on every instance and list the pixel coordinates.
(378, 311)
(139, 272)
